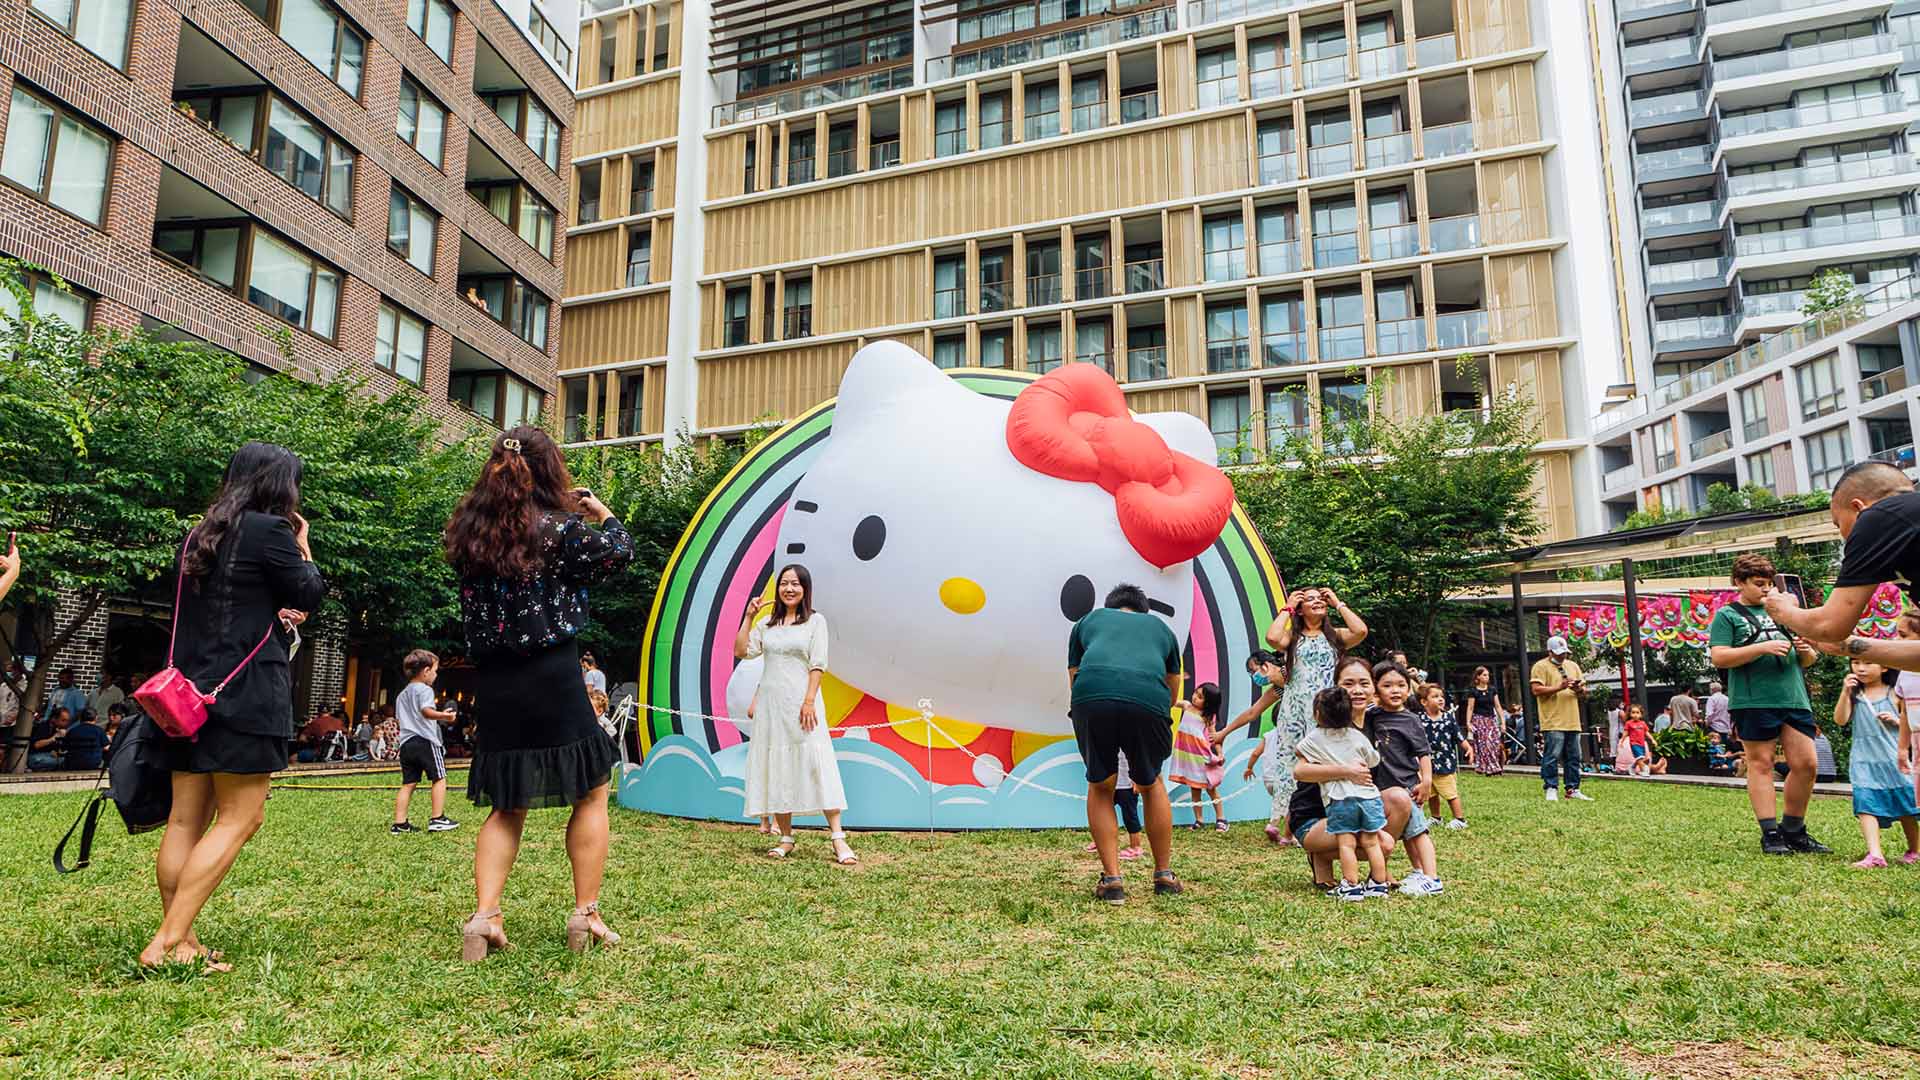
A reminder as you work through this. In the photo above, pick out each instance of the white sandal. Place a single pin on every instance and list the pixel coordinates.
(849, 858)
(784, 849)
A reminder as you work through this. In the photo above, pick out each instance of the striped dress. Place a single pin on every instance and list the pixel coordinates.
(1194, 763)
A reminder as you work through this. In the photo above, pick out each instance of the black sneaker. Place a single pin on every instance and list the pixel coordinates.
(1113, 890)
(1772, 843)
(402, 827)
(441, 824)
(1801, 844)
(1165, 884)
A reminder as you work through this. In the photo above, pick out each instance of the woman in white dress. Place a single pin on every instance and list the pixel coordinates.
(790, 763)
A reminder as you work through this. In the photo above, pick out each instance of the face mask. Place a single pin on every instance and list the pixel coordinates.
(1260, 679)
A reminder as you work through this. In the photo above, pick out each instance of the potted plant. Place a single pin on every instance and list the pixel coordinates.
(1685, 750)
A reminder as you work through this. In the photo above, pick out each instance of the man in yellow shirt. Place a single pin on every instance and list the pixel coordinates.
(1559, 686)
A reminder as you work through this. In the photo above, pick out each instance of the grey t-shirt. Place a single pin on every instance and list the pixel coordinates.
(414, 723)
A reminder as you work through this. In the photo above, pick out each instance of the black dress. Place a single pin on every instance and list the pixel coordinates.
(538, 742)
(257, 570)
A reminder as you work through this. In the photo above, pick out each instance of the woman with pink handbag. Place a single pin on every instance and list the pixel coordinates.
(245, 579)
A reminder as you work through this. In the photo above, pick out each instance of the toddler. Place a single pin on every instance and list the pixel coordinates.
(1196, 762)
(1355, 816)
(1881, 793)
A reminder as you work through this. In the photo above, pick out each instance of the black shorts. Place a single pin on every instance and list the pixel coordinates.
(1763, 725)
(420, 758)
(1106, 729)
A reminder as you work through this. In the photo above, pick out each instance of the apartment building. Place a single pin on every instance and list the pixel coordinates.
(1251, 210)
(1763, 141)
(385, 182)
(381, 185)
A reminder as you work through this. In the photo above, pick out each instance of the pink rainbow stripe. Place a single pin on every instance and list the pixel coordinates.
(1206, 651)
(740, 587)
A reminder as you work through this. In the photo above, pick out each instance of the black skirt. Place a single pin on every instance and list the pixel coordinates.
(537, 742)
(221, 750)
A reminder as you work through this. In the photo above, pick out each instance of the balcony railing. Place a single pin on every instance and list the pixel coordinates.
(1817, 236)
(1678, 273)
(1343, 343)
(1283, 348)
(1279, 256)
(797, 322)
(1326, 71)
(1693, 213)
(1096, 356)
(1336, 249)
(1774, 346)
(1092, 36)
(1144, 105)
(1145, 275)
(1832, 172)
(1462, 329)
(1147, 364)
(1615, 479)
(1826, 112)
(1228, 265)
(1663, 462)
(1383, 61)
(1710, 444)
(1278, 168)
(1759, 305)
(1755, 427)
(1667, 104)
(1395, 242)
(1680, 157)
(1826, 404)
(884, 155)
(1385, 150)
(1748, 9)
(1090, 115)
(1620, 415)
(640, 201)
(1207, 11)
(1330, 159)
(1879, 386)
(949, 303)
(1901, 456)
(1828, 52)
(1043, 125)
(814, 96)
(1224, 90)
(840, 162)
(736, 331)
(578, 429)
(1456, 233)
(1394, 336)
(1693, 328)
(1090, 283)
(1436, 50)
(639, 273)
(1228, 356)
(800, 170)
(1651, 52)
(1446, 140)
(993, 296)
(1265, 82)
(1043, 289)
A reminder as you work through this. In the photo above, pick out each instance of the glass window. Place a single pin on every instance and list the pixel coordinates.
(1043, 110)
(573, 397)
(411, 226)
(1227, 338)
(950, 128)
(1343, 402)
(1219, 77)
(1226, 247)
(640, 186)
(996, 347)
(422, 122)
(432, 22)
(300, 152)
(542, 134)
(213, 251)
(1283, 334)
(1228, 415)
(56, 156)
(739, 304)
(100, 26)
(536, 222)
(639, 257)
(1043, 347)
(1828, 455)
(949, 287)
(400, 345)
(48, 302)
(478, 394)
(319, 33)
(1819, 384)
(950, 351)
(1286, 414)
(996, 111)
(549, 38)
(1760, 470)
(289, 284)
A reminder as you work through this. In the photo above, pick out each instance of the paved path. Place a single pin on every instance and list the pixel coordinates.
(1737, 782)
(44, 783)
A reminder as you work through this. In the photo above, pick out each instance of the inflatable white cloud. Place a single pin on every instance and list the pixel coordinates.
(954, 538)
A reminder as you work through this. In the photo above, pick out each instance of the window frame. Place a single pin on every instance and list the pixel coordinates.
(44, 194)
(521, 124)
(539, 29)
(501, 377)
(421, 97)
(341, 25)
(519, 196)
(399, 314)
(72, 25)
(34, 281)
(264, 98)
(243, 266)
(427, 9)
(395, 191)
(518, 289)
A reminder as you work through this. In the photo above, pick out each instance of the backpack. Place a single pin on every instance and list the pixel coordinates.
(1754, 629)
(138, 781)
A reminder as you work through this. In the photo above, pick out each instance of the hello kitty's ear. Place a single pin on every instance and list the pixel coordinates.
(1184, 432)
(880, 378)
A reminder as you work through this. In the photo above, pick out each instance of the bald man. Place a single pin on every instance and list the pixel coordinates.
(1877, 512)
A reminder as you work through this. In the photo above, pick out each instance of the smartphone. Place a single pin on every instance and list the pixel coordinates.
(1791, 585)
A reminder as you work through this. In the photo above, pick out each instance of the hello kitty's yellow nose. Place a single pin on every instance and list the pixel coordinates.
(962, 597)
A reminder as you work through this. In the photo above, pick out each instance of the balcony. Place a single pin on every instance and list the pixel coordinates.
(1879, 386)
(1692, 273)
(1446, 140)
(1624, 476)
(1381, 62)
(1092, 36)
(1278, 168)
(1343, 343)
(1394, 336)
(1279, 256)
(1708, 445)
(1395, 242)
(1456, 233)
(1282, 348)
(949, 303)
(1330, 159)
(1680, 159)
(1043, 289)
(1208, 11)
(1656, 55)
(1819, 236)
(884, 155)
(1224, 90)
(1665, 105)
(1144, 275)
(1436, 50)
(797, 322)
(993, 296)
(1228, 356)
(1385, 150)
(1463, 329)
(1141, 106)
(1752, 9)
(1043, 125)
(1681, 218)
(1797, 116)
(814, 96)
(1090, 283)
(1694, 329)
(1899, 456)
(1147, 364)
(1090, 115)
(840, 162)
(1807, 176)
(1227, 265)
(1326, 71)
(1765, 305)
(1336, 249)
(1768, 63)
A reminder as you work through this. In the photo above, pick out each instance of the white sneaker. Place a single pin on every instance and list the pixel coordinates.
(1430, 886)
(1412, 884)
(1553, 795)
(1576, 793)
(1457, 823)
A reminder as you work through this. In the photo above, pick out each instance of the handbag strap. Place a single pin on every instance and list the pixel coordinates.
(174, 632)
(87, 823)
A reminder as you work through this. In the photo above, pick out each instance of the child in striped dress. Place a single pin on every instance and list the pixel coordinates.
(1196, 763)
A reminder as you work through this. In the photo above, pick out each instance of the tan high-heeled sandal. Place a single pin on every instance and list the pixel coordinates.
(479, 938)
(580, 931)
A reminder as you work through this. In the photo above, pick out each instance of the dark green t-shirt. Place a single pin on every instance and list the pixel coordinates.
(1767, 682)
(1123, 656)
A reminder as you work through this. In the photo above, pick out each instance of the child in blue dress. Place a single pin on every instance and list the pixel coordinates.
(1882, 794)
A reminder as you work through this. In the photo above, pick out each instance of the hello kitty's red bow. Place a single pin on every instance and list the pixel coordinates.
(1073, 424)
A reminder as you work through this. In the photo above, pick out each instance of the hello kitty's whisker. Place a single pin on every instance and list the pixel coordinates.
(1160, 606)
(796, 549)
(805, 507)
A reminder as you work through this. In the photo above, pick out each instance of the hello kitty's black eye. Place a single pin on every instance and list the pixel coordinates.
(1076, 598)
(868, 538)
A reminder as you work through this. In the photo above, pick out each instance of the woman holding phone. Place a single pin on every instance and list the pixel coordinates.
(526, 544)
(1313, 647)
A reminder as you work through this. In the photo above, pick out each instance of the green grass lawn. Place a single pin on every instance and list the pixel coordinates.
(1641, 935)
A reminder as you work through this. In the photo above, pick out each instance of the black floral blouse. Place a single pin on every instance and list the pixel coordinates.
(550, 607)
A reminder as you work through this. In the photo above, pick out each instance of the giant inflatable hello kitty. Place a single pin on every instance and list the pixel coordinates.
(954, 538)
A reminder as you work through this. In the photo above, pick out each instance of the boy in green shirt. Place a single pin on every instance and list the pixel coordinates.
(1767, 701)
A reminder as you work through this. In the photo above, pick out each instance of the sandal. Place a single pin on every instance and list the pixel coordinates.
(781, 850)
(1111, 890)
(581, 931)
(1166, 884)
(848, 859)
(479, 938)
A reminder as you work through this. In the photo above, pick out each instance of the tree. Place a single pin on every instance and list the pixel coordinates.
(1832, 292)
(1399, 513)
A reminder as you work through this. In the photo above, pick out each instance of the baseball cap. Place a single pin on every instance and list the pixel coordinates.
(1557, 644)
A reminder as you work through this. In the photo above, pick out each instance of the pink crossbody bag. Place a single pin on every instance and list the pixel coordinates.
(175, 704)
